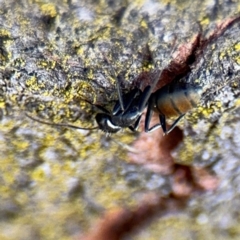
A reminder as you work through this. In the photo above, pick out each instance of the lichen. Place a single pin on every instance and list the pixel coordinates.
(61, 59)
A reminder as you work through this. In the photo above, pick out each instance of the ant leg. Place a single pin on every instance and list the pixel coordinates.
(163, 123)
(136, 124)
(144, 98)
(174, 124)
(128, 98)
(148, 119)
(118, 83)
(119, 91)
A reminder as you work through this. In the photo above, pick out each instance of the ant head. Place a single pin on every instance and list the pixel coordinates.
(105, 124)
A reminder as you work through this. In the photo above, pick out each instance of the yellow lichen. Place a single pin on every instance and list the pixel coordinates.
(237, 59)
(237, 47)
(222, 55)
(47, 64)
(205, 21)
(46, 209)
(4, 33)
(49, 9)
(38, 175)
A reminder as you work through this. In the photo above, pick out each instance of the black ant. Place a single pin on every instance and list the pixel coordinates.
(174, 99)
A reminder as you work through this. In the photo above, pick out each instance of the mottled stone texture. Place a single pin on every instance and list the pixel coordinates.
(58, 60)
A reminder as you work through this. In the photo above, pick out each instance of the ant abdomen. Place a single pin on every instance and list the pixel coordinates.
(173, 100)
(176, 99)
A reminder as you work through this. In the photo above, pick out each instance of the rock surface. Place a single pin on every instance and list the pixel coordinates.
(60, 59)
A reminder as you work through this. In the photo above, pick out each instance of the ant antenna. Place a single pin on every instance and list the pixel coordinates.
(118, 87)
(59, 124)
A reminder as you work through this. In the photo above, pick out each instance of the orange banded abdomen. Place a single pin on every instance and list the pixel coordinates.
(176, 99)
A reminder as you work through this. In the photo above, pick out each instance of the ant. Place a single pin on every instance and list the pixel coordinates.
(173, 99)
